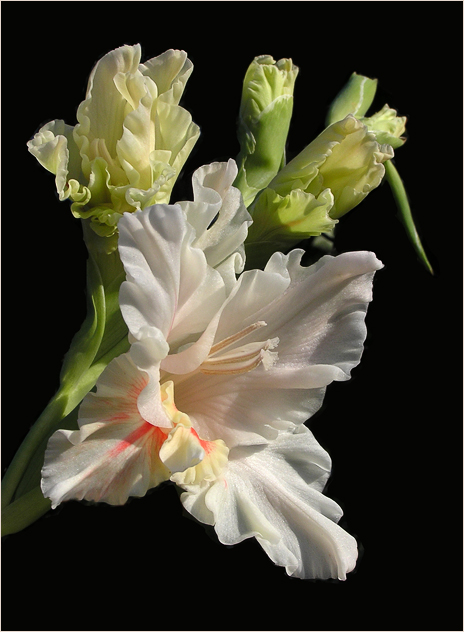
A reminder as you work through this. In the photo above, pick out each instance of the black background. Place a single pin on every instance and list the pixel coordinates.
(393, 431)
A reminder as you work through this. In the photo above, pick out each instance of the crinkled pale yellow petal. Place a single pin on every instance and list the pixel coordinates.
(170, 72)
(131, 140)
(102, 114)
(282, 221)
(387, 126)
(54, 148)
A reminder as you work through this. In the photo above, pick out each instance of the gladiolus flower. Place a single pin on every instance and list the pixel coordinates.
(131, 140)
(215, 389)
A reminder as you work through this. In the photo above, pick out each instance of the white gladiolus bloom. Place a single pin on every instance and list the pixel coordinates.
(131, 140)
(215, 389)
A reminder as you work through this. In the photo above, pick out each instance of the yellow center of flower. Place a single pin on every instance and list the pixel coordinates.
(190, 459)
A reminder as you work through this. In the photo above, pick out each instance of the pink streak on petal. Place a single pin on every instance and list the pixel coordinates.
(208, 446)
(137, 434)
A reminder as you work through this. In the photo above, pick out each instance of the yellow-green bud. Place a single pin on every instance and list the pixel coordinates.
(332, 175)
(345, 157)
(279, 222)
(387, 126)
(356, 98)
(264, 120)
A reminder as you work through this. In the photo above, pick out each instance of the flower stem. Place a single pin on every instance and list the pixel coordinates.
(401, 198)
(24, 511)
(55, 410)
(102, 337)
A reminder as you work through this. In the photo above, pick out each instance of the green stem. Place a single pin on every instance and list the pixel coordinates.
(21, 478)
(401, 198)
(24, 511)
(102, 337)
(54, 410)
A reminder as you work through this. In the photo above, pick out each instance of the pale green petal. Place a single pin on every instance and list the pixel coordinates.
(175, 133)
(131, 140)
(265, 81)
(280, 222)
(55, 149)
(170, 72)
(300, 214)
(137, 143)
(102, 114)
(141, 198)
(387, 126)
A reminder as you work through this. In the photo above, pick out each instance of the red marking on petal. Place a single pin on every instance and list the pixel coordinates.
(208, 446)
(119, 417)
(137, 387)
(137, 434)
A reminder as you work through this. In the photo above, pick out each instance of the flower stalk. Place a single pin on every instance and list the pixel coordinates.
(208, 343)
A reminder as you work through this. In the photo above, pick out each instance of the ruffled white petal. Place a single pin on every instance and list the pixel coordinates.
(219, 217)
(115, 453)
(170, 289)
(319, 318)
(316, 313)
(273, 493)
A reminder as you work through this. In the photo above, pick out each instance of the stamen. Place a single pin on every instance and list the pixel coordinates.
(225, 371)
(241, 360)
(238, 336)
(239, 355)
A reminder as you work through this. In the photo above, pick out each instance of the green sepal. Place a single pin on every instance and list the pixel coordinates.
(401, 198)
(355, 97)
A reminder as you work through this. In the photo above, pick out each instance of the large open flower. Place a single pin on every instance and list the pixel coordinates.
(131, 140)
(215, 389)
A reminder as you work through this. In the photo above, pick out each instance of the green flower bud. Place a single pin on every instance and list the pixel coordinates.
(279, 222)
(332, 175)
(264, 121)
(345, 158)
(355, 98)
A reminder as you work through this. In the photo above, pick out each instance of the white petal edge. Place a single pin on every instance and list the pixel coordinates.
(273, 493)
